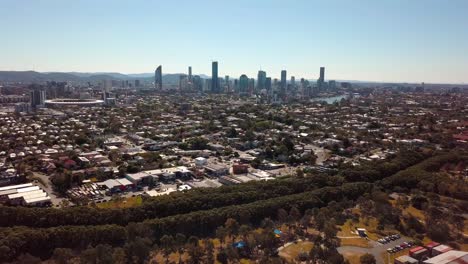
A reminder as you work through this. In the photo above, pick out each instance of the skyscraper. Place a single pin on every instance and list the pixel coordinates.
(106, 85)
(283, 82)
(321, 80)
(190, 73)
(227, 83)
(158, 78)
(38, 97)
(322, 74)
(243, 84)
(261, 80)
(268, 84)
(214, 77)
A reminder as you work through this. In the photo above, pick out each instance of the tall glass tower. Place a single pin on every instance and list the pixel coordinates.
(158, 78)
(214, 77)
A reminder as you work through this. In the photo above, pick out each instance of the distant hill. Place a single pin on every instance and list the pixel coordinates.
(33, 76)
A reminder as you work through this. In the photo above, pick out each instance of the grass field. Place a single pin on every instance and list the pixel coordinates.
(349, 228)
(353, 258)
(410, 210)
(291, 252)
(357, 242)
(124, 203)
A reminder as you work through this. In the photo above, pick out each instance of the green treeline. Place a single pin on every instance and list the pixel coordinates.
(199, 212)
(162, 206)
(42, 241)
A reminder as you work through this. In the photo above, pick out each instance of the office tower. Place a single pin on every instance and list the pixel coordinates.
(268, 84)
(197, 83)
(283, 82)
(236, 86)
(183, 82)
(207, 85)
(293, 81)
(251, 85)
(322, 74)
(261, 80)
(243, 84)
(332, 85)
(106, 85)
(38, 97)
(158, 78)
(137, 83)
(214, 77)
(227, 83)
(190, 73)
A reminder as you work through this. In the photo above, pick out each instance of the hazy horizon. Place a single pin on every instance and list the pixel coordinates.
(396, 41)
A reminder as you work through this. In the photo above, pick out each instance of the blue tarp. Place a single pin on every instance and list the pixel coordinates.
(239, 244)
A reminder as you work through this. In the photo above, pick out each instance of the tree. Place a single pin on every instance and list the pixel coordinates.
(28, 259)
(119, 256)
(222, 257)
(62, 255)
(232, 226)
(221, 234)
(209, 249)
(138, 250)
(180, 240)
(167, 244)
(244, 231)
(367, 259)
(294, 214)
(282, 215)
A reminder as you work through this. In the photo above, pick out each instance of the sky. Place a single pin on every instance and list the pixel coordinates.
(369, 40)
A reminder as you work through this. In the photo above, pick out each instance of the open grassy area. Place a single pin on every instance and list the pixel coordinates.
(410, 210)
(124, 203)
(349, 228)
(357, 242)
(353, 258)
(291, 252)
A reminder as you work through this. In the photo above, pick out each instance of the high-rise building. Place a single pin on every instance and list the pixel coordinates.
(106, 85)
(283, 82)
(158, 78)
(214, 77)
(261, 80)
(268, 84)
(227, 83)
(251, 85)
(38, 97)
(293, 81)
(322, 74)
(243, 84)
(321, 80)
(332, 85)
(183, 82)
(236, 86)
(197, 83)
(190, 73)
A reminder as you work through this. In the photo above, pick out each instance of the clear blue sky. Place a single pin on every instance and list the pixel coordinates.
(376, 40)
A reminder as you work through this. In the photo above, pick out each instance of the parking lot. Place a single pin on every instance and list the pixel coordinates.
(378, 250)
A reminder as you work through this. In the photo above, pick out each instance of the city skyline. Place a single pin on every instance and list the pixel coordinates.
(366, 41)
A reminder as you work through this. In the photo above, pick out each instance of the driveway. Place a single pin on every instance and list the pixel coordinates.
(48, 188)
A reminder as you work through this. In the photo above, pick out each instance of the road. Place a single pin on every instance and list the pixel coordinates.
(376, 250)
